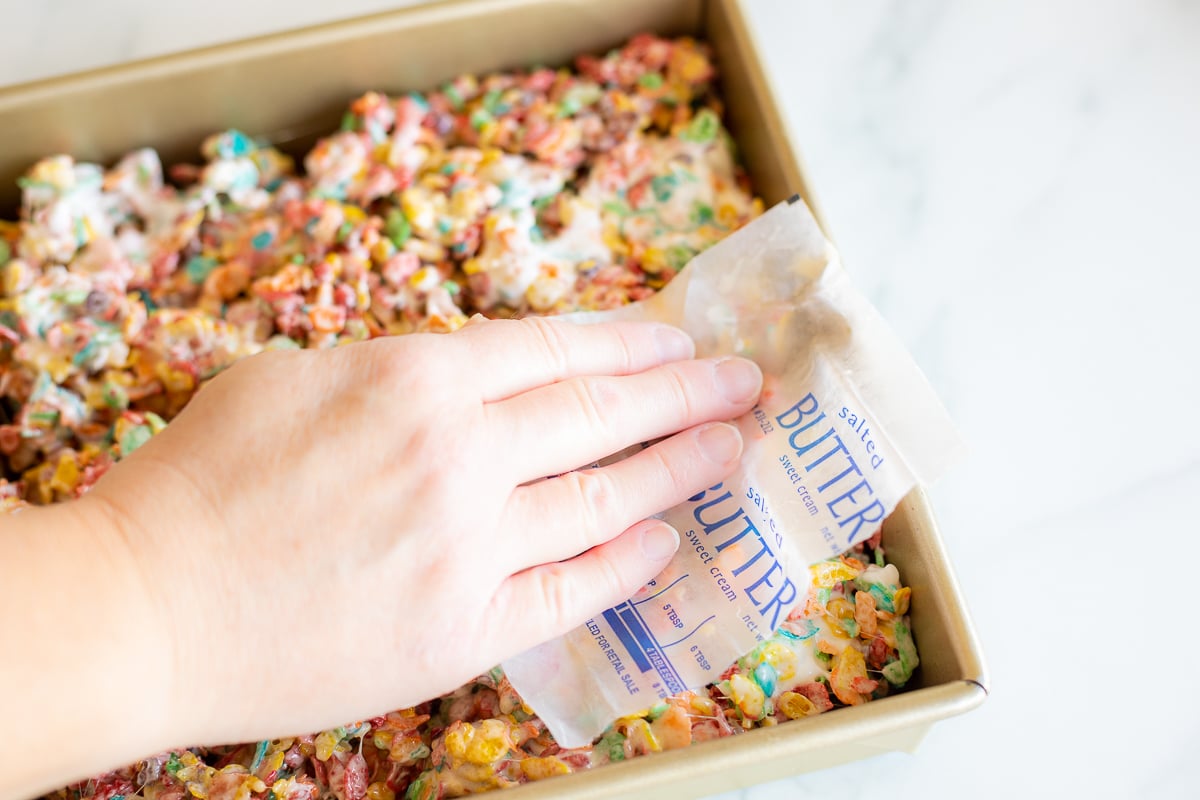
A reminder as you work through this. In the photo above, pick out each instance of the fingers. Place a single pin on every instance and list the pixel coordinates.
(581, 420)
(512, 356)
(551, 599)
(560, 518)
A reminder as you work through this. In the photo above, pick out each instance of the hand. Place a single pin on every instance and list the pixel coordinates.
(328, 535)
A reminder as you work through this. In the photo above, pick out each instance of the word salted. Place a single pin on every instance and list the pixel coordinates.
(720, 512)
(805, 417)
(857, 424)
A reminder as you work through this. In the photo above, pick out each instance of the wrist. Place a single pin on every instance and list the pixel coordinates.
(92, 672)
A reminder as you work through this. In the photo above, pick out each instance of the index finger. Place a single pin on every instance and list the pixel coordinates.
(509, 357)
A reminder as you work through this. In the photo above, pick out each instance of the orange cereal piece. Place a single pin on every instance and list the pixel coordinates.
(864, 615)
(848, 667)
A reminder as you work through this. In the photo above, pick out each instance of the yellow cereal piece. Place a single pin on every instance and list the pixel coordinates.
(703, 706)
(467, 204)
(622, 102)
(66, 475)
(479, 743)
(901, 600)
(535, 769)
(827, 574)
(59, 368)
(747, 696)
(382, 250)
(422, 277)
(487, 132)
(353, 214)
(273, 762)
(795, 706)
(175, 380)
(781, 658)
(426, 250)
(613, 241)
(727, 215)
(641, 736)
(839, 608)
(16, 278)
(654, 260)
(326, 743)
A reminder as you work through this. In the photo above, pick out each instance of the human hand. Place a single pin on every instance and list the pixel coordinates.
(328, 535)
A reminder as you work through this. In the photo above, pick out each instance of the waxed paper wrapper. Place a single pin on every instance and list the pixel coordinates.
(846, 426)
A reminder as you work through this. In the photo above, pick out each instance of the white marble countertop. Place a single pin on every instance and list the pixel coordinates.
(1015, 187)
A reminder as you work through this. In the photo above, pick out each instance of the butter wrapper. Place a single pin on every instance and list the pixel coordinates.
(845, 427)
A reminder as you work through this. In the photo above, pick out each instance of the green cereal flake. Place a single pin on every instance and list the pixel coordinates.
(452, 94)
(260, 752)
(678, 256)
(115, 396)
(198, 268)
(397, 227)
(134, 438)
(5, 252)
(663, 186)
(494, 104)
(651, 80)
(349, 122)
(883, 597)
(895, 675)
(479, 118)
(702, 213)
(703, 128)
(612, 744)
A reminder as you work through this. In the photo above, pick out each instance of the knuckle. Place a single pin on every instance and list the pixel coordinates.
(672, 473)
(593, 492)
(557, 596)
(680, 392)
(551, 339)
(599, 402)
(627, 350)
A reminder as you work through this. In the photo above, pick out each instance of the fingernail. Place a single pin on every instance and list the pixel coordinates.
(720, 442)
(739, 379)
(659, 541)
(673, 344)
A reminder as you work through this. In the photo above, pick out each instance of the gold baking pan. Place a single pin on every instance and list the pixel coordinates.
(292, 87)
